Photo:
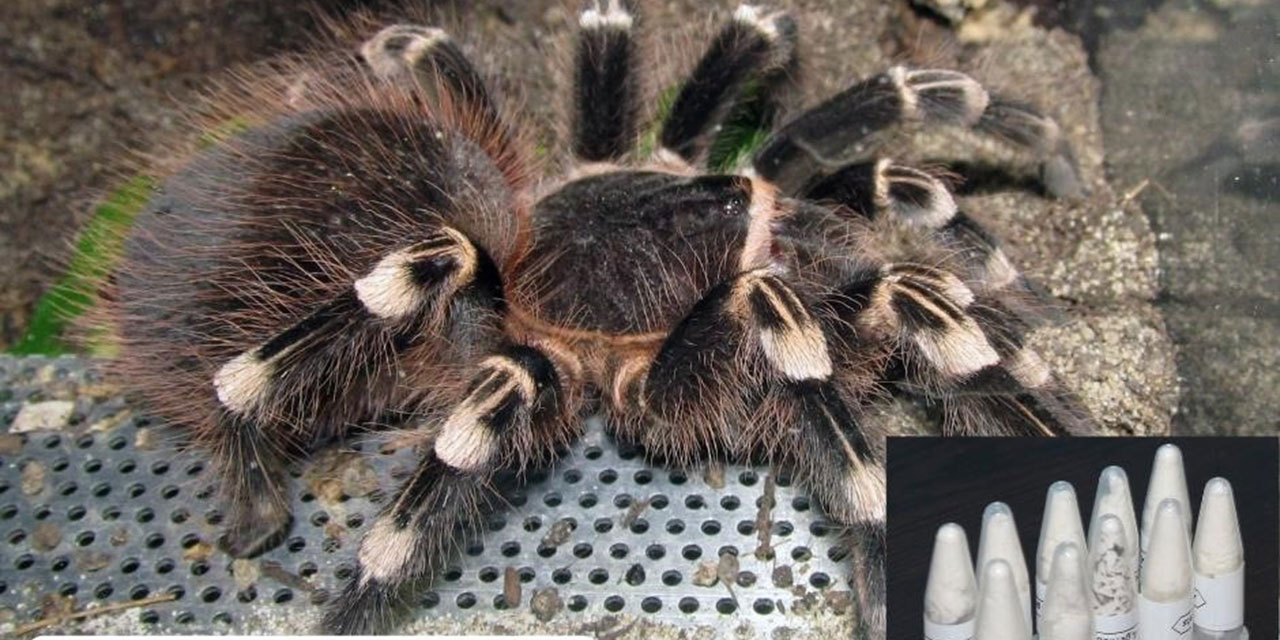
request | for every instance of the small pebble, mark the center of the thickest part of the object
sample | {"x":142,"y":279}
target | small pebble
{"x":47,"y":415}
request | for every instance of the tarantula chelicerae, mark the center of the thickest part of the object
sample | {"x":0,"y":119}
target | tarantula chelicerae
{"x":366,"y":240}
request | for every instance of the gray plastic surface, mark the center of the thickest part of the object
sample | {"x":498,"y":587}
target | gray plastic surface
{"x":128,"y":518}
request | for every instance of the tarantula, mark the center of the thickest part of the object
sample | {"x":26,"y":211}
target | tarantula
{"x":367,"y":241}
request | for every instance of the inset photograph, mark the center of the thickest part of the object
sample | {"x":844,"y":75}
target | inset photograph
{"x":1082,"y":539}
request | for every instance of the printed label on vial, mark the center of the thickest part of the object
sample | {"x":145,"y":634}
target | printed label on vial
{"x":1220,"y":601}
{"x":1166,"y":616}
{"x":1123,"y":626}
{"x":961,"y":631}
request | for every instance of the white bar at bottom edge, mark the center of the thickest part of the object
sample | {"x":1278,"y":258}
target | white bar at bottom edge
{"x":1220,"y":601}
{"x":961,"y":631}
{"x":1122,"y":626}
{"x":1164,"y":620}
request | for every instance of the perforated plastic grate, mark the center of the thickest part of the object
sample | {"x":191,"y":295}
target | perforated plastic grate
{"x":98,"y":511}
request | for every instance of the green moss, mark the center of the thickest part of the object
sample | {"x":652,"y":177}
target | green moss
{"x":96,"y":251}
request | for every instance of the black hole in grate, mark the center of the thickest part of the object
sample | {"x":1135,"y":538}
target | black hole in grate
{"x":572,"y":476}
{"x":561,"y":576}
{"x":532,"y":523}
{"x":60,"y":464}
{"x":344,"y":572}
{"x":68,"y":488}
{"x":52,"y":442}
{"x":622,"y":501}
{"x":643,"y":477}
{"x":149,"y":617}
{"x":577,"y":603}
{"x":101,"y":490}
{"x":747,"y":478}
{"x":694,"y":501}
{"x":129,"y":565}
{"x":746,"y":527}
{"x":691,"y":552}
{"x":136,"y":490}
{"x":84,"y":441}
{"x":91,"y":466}
{"x":488,"y":574}
{"x":177,"y":591}
{"x":111,"y":513}
{"x":282,"y":595}
{"x":139,"y":592}
{"x":582,"y":550}
{"x":185,"y":617}
{"x":588,"y":500}
{"x":801,"y":554}
{"x":635,"y":576}
{"x":729,"y":503}
{"x":43,"y":511}
{"x":820,"y":580}
{"x":179,"y":516}
{"x":222,"y":617}
{"x":726,"y":605}
{"x":593,"y":452}
{"x":127,"y":466}
{"x":319,"y":518}
{"x":296,"y":544}
{"x":213,"y":517}
{"x":68,"y":589}
{"x":307,"y":569}
{"x":619,"y":550}
{"x":763,"y":606}
{"x":614,"y":604}
{"x":199,"y":568}
{"x":598,"y":576}
{"x":195,"y":468}
{"x":552,"y":499}
{"x":103,"y":591}
{"x":160,"y":468}
{"x":8,"y":511}
{"x":658,"y":501}
{"x":655,"y":552}
{"x":747,"y":579}
{"x":603,"y":525}
{"x":651,"y":605}
{"x":17,"y":536}
{"x":510,"y":549}
{"x":546,"y":551}
{"x":165,"y":566}
{"x":710,"y":527}
{"x":640,"y":526}
{"x":85,"y":538}
{"x":430,"y":600}
{"x":355,"y":521}
{"x":211,"y":594}
{"x":452,"y":574}
{"x":671,"y":577}
{"x":474,"y":549}
{"x":688,"y":604}
{"x":608,"y":476}
{"x":190,"y":540}
{"x":155,"y":541}
{"x":24,"y":561}
{"x":169,"y":492}
{"x":60,"y":563}
{"x":466,"y":600}
{"x":247,"y":595}
{"x":800,"y":503}
{"x":117,"y":443}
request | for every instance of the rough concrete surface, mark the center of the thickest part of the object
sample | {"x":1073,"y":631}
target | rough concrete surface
{"x":1192,"y":115}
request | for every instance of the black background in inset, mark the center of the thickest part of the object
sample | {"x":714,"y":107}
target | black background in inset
{"x":933,"y":481}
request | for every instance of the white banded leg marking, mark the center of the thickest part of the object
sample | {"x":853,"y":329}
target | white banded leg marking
{"x":930,"y":303}
{"x":912,"y":195}
{"x":792,"y":341}
{"x":1028,"y":368}
{"x":467,"y":441}
{"x":606,"y":13}
{"x":398,"y":48}
{"x":243,"y":381}
{"x":760,"y":18}
{"x":390,"y":291}
{"x":914,"y":87}
{"x":386,"y":551}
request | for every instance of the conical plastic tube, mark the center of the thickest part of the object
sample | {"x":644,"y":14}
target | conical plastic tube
{"x":1218,"y":556}
{"x":999,"y":540}
{"x":1067,"y":614}
{"x":1164,"y":603}
{"x":951,"y":593}
{"x":1168,"y":481}
{"x":1001,"y":613}
{"x":1061,"y":525}
{"x":1112,"y":583}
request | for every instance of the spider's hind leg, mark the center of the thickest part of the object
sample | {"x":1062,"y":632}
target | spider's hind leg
{"x":606,"y":81}
{"x":518,"y":408}
{"x":834,"y":133}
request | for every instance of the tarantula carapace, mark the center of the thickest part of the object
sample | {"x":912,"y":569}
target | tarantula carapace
{"x":366,"y":240}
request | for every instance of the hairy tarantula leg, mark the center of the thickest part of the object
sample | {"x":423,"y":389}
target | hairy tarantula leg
{"x":832,"y":134}
{"x":427,"y":55}
{"x":406,"y":288}
{"x":606,"y":84}
{"x":756,"y":41}
{"x":517,"y":406}
{"x":917,"y":198}
{"x":956,"y":347}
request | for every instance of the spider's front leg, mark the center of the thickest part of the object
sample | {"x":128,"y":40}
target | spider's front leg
{"x":834,"y":133}
{"x":520,"y":406}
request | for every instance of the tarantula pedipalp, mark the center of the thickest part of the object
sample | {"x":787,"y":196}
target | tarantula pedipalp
{"x":372,"y":244}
